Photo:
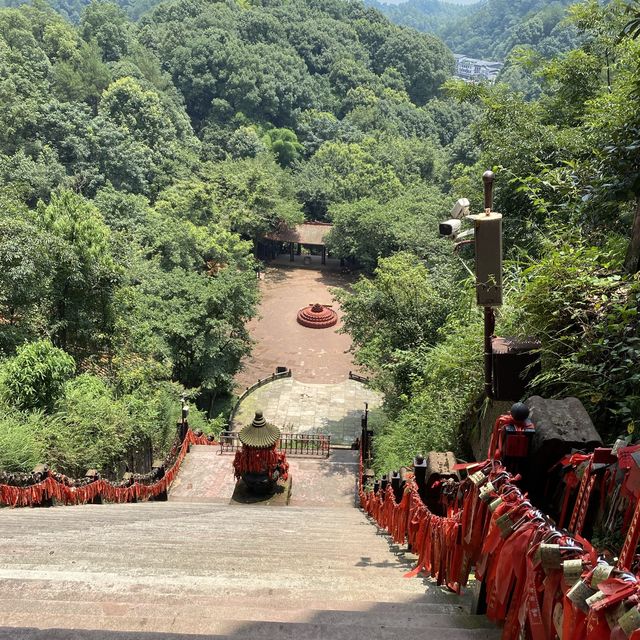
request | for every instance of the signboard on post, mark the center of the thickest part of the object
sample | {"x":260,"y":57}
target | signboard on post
{"x":488,"y":241}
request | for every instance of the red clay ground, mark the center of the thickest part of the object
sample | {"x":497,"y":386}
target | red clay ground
{"x":314,"y":355}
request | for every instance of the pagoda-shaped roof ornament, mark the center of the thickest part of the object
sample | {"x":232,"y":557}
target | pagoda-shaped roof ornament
{"x":260,"y":434}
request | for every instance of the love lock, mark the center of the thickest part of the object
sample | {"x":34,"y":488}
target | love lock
{"x":630,"y":621}
{"x":579,"y":593}
{"x":495,"y":504}
{"x":601,"y":573}
{"x":477,"y":478}
{"x":550,"y":556}
{"x":505,"y":524}
{"x":596,"y":597}
{"x":613,"y":615}
{"x":486,"y":491}
{"x":572,"y":570}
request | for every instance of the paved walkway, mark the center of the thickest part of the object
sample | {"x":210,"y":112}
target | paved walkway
{"x":314,"y":355}
{"x":207,"y":476}
{"x":311,"y":408}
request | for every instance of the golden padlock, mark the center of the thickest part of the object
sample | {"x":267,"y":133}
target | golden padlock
{"x":601,"y":573}
{"x":550,"y":556}
{"x":486,"y":491}
{"x":630,"y":621}
{"x":596,"y":597}
{"x":505,"y":524}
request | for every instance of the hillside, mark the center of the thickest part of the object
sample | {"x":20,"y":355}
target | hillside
{"x":141,"y":162}
{"x":138,"y":164}
{"x":491,"y":29}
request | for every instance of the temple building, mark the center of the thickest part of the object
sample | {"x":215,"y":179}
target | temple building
{"x":311,"y":235}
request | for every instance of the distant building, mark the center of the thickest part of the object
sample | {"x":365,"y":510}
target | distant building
{"x":473,"y":70}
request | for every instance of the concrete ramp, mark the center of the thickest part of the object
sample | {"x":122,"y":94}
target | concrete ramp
{"x":207,"y":476}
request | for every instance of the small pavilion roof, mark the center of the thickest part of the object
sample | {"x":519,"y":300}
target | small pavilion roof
{"x":311,"y":233}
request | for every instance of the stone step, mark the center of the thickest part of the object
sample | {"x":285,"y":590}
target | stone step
{"x":131,"y":572}
{"x":407,"y":616}
{"x":258,"y":600}
{"x":286,"y":586}
{"x":64,"y":623}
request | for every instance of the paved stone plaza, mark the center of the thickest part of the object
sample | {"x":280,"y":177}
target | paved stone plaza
{"x":311,"y":408}
{"x":314,"y":355}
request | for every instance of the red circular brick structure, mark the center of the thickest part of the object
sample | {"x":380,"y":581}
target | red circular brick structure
{"x":317,"y":316}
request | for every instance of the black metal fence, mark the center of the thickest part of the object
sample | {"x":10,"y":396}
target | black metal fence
{"x":293,"y":444}
{"x":261,"y":382}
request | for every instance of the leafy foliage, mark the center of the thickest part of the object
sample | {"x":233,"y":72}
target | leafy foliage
{"x":139,"y":161}
{"x":34,"y":378}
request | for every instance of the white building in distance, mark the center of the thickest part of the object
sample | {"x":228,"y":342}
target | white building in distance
{"x":473,"y":70}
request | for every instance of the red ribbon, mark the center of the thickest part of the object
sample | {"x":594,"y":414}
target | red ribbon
{"x":64,"y":492}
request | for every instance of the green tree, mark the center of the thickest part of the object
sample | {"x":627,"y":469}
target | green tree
{"x":284,"y":144}
{"x":392,"y":316}
{"x":35,"y":377}
{"x":83,"y":271}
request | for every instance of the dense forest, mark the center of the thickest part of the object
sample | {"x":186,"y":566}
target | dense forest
{"x":138,"y":163}
{"x":143,"y":150}
{"x":503,"y":30}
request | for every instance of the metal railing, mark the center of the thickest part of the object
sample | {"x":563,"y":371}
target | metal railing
{"x":293,"y":444}
{"x":256,"y":385}
{"x":357,"y":377}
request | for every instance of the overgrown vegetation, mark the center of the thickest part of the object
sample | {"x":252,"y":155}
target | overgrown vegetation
{"x":567,"y":170}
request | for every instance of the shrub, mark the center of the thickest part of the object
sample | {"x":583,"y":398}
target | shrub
{"x":35,"y":376}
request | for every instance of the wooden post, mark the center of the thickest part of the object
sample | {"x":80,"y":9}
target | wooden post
{"x":324,"y":255}
{"x":291,"y":252}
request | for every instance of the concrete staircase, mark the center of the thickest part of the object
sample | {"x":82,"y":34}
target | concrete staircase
{"x":181,"y":570}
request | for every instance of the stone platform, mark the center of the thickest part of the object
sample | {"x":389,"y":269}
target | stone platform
{"x":301,"y":407}
{"x":207,"y":477}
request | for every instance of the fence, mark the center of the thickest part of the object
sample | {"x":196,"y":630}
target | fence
{"x":537,"y":580}
{"x":296,"y":444}
{"x":42,"y":487}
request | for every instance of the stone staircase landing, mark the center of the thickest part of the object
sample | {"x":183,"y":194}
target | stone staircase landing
{"x":207,"y":476}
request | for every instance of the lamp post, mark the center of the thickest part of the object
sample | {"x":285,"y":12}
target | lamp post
{"x":486,"y":236}
{"x":184,"y":417}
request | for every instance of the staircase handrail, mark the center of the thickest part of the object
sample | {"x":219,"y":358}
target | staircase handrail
{"x":490,"y":525}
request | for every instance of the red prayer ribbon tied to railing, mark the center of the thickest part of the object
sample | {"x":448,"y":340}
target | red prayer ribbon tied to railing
{"x":541,"y":583}
{"x":35,"y":494}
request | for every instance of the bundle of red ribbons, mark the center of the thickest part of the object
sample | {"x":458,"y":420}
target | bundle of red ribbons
{"x":266,"y":460}
{"x":66,"y":493}
{"x":539,"y":581}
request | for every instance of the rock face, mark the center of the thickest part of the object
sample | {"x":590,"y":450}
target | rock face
{"x":561,"y":426}
{"x":170,"y":569}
